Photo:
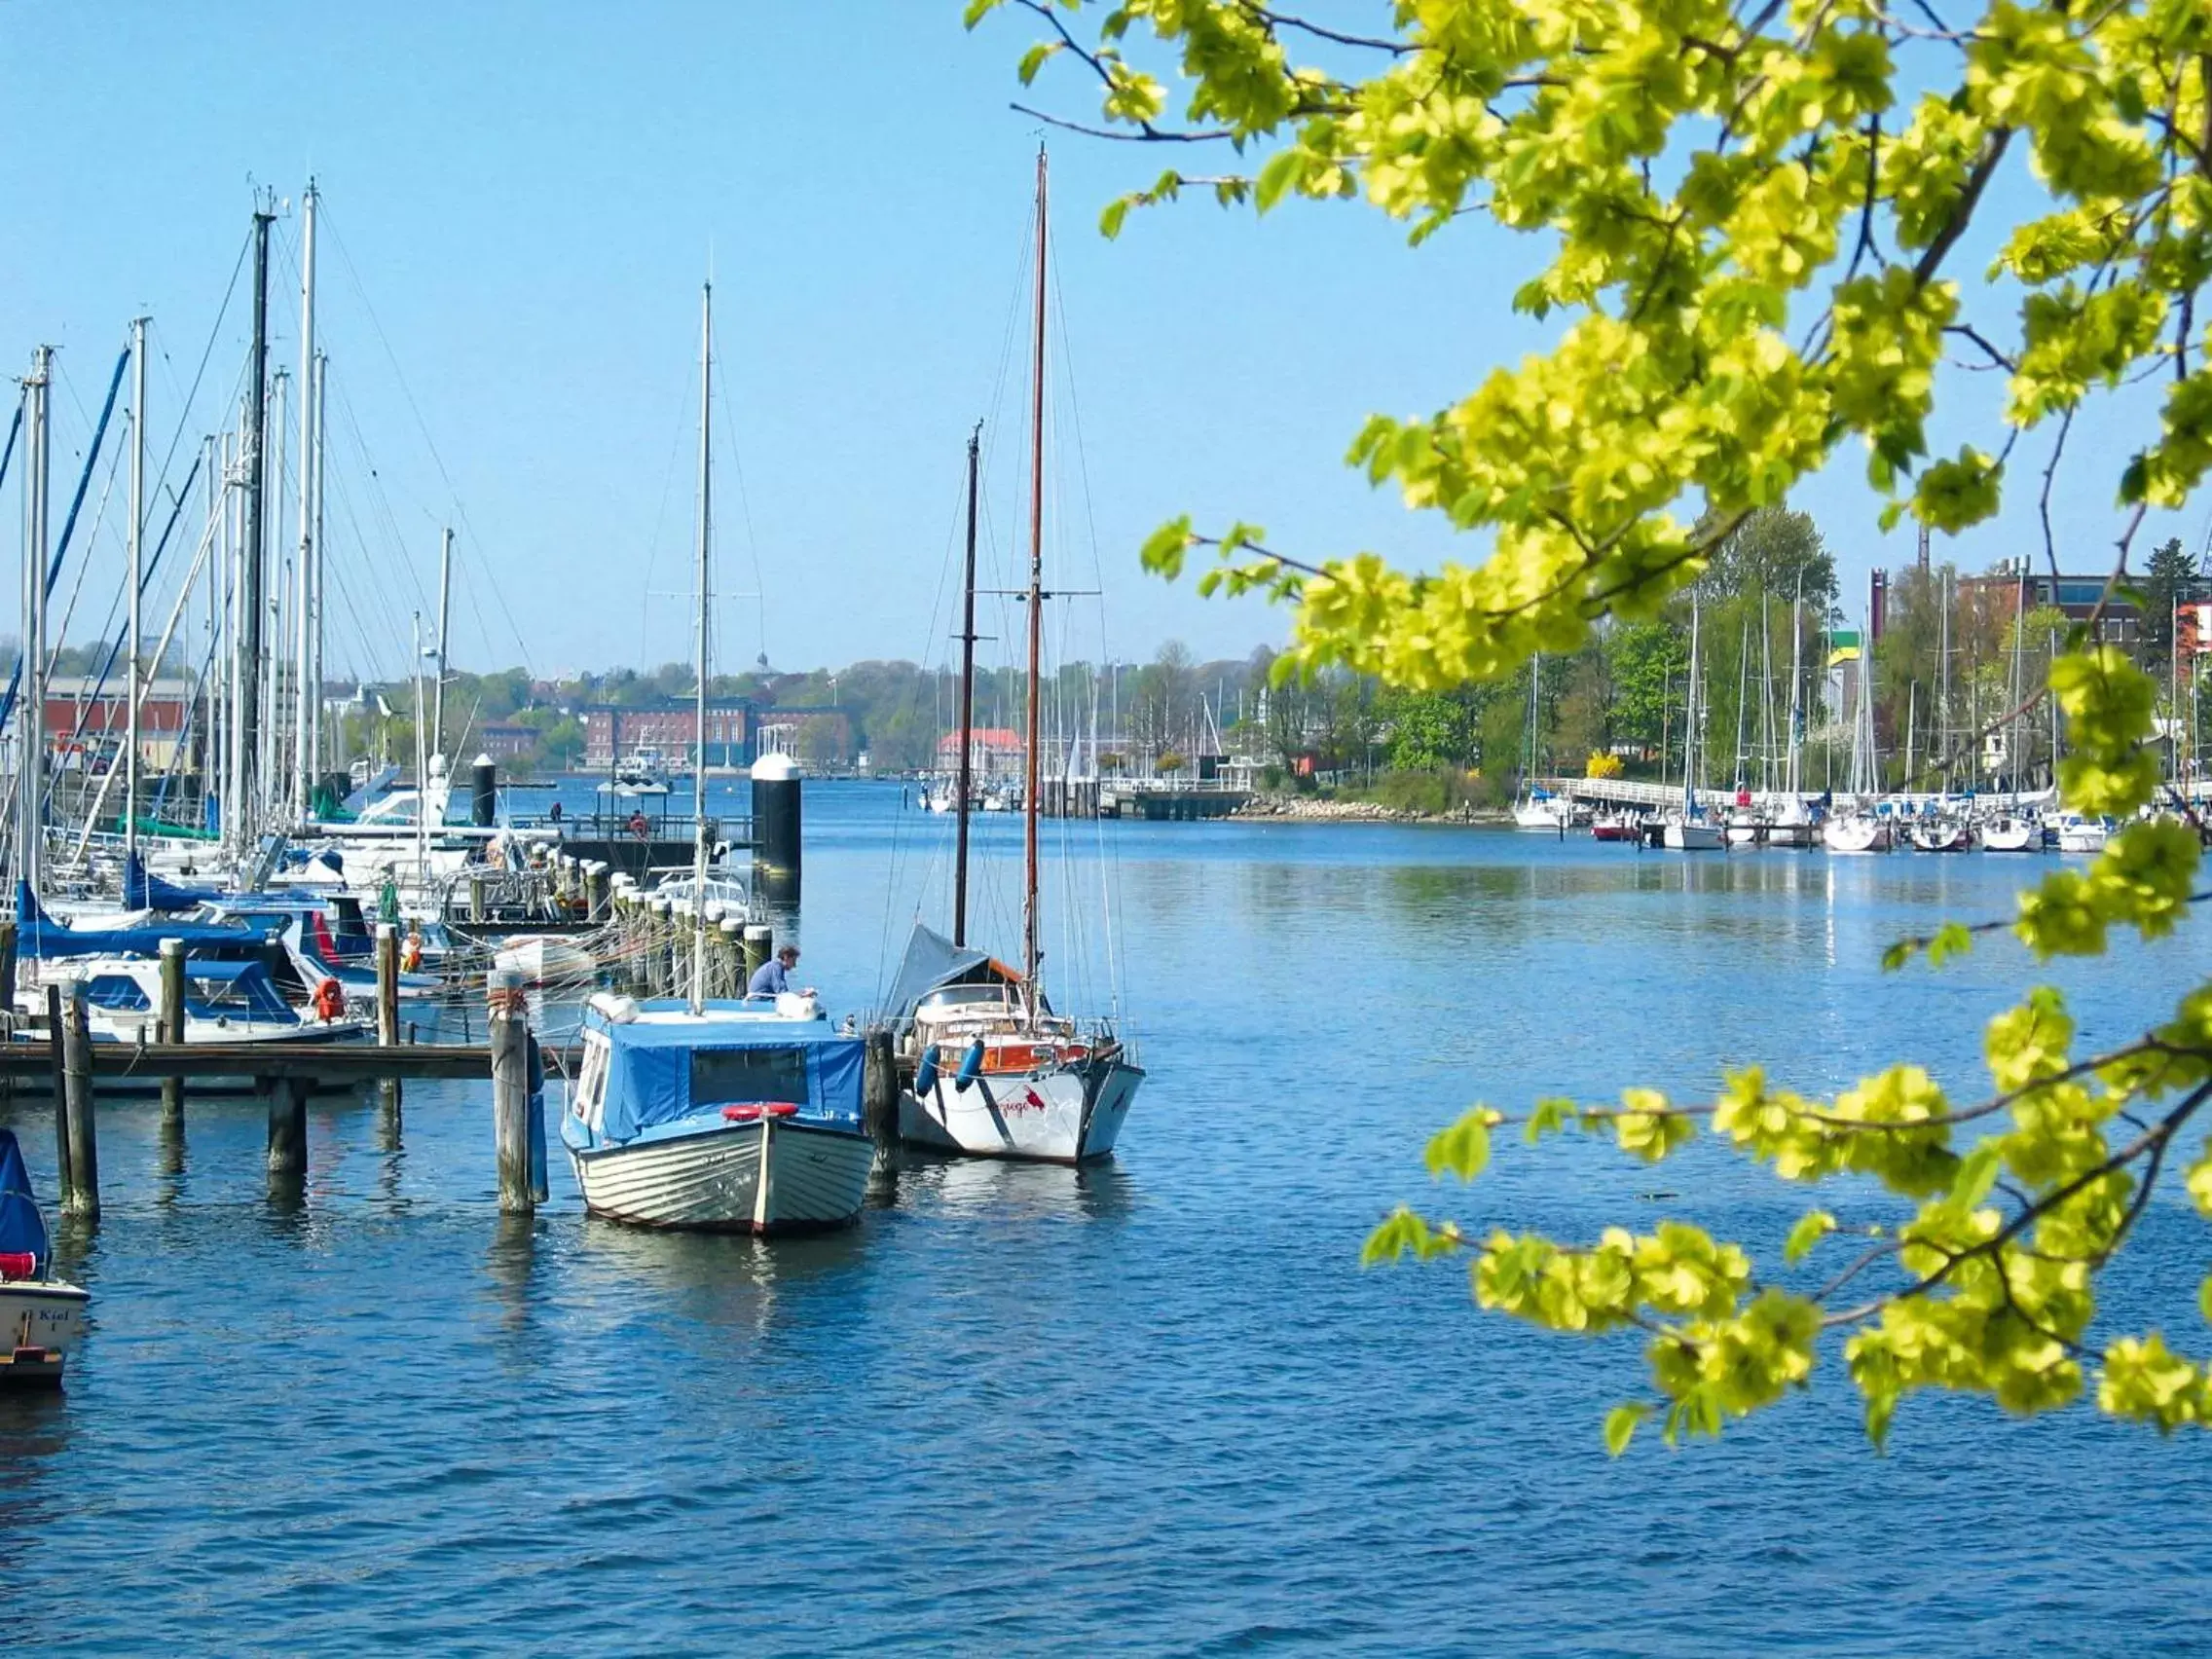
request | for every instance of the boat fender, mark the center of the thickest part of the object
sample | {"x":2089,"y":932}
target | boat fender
{"x":970,"y":1063}
{"x":925,"y":1074}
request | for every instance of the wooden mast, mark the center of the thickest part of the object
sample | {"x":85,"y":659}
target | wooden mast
{"x":1036,"y":608}
{"x":698,"y":990}
{"x":964,"y":776}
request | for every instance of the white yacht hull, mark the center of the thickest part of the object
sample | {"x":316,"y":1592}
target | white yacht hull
{"x":41,"y":1313}
{"x":1855,"y":835}
{"x":1061,"y":1117}
{"x":543,"y":958}
{"x":1539,"y":816}
{"x":1692,"y":838}
{"x":768,"y":1176}
{"x":2011,"y":836}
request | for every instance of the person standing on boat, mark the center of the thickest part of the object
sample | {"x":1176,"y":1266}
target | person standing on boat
{"x":773,"y":977}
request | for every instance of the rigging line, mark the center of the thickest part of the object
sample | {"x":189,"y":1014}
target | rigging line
{"x":744,"y":504}
{"x":206,"y":352}
{"x":660,"y":520}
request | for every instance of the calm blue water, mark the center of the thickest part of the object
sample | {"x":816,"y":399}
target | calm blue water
{"x":1156,"y":1407}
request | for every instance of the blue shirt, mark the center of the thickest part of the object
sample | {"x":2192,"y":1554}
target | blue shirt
{"x":769,"y":979}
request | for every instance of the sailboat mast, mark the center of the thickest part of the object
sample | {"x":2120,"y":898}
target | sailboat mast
{"x":135,"y":552}
{"x":706,"y":532}
{"x":1794,"y":780}
{"x":1690,"y":711}
{"x":30,"y":757}
{"x":254,"y":444}
{"x":445,"y":620}
{"x":964,"y":775}
{"x":303,"y":690}
{"x":1036,"y":609}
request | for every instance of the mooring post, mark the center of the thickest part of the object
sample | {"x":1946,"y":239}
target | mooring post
{"x":388,"y":1012}
{"x":287,"y":1124}
{"x":731,"y":956}
{"x":879,"y":1102}
{"x":64,"y":1177}
{"x":476,"y":896}
{"x":84,"y":1133}
{"x":509,"y":1028}
{"x":595,"y":889}
{"x":8,"y":966}
{"x":760,"y":944}
{"x":168,"y":1026}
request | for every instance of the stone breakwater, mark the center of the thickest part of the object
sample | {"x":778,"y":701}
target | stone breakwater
{"x":1317,"y":809}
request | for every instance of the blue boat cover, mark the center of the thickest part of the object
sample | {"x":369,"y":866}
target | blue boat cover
{"x":142,"y":890}
{"x":39,"y":935}
{"x":22,"y":1229}
{"x":654,"y":1067}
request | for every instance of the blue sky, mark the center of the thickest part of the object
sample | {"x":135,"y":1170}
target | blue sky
{"x":522,"y":201}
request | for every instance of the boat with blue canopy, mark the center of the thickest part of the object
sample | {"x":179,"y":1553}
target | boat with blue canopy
{"x":41,"y":1316}
{"x":734,"y":1116}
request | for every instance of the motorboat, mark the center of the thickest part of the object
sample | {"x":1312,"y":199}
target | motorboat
{"x":1855,"y":833}
{"x":2079,"y":834}
{"x":1616,"y":827}
{"x":997,"y":1073}
{"x":2013,"y":832}
{"x":1542,"y":811}
{"x":224,"y":1002}
{"x":41,"y":1316}
{"x":644,"y":772}
{"x":743,"y":1116}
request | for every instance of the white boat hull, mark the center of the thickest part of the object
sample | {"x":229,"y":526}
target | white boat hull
{"x":1692,"y":838}
{"x":1855,"y":835}
{"x":543,"y":958}
{"x":1540,"y":816}
{"x":2011,"y":836}
{"x":1061,"y":1117}
{"x":768,"y":1176}
{"x":41,"y":1313}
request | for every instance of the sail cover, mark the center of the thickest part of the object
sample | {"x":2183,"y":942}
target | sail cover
{"x":39,"y":936}
{"x":22,"y":1229}
{"x":933,"y":962}
{"x":142,"y":890}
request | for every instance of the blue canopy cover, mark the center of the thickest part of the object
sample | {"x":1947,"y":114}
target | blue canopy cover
{"x":663,"y":1073}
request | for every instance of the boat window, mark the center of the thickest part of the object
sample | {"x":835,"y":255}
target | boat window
{"x":117,"y":991}
{"x":591,"y":1081}
{"x":966,"y":996}
{"x":248,"y":996}
{"x":728,"y":1077}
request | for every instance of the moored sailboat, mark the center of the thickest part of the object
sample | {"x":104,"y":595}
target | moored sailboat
{"x":998,"y":1073}
{"x":41,"y":1316}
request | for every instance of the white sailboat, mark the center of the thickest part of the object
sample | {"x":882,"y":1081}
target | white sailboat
{"x":740,"y":1116}
{"x":998,"y":1073}
{"x":1859,"y":830}
{"x":1535,"y":808}
{"x":1688,"y":830}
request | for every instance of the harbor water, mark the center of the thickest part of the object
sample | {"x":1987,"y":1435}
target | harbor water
{"x":1150,"y":1407}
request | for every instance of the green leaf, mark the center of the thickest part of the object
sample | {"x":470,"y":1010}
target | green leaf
{"x":1163,"y":549}
{"x":1463,"y":1149}
{"x":2204,"y":1299}
{"x":1621,"y":1423}
{"x":1952,"y":940}
{"x":1282,"y":172}
{"x":1400,"y":1233}
{"x":1034,"y":59}
{"x":1109,"y":221}
{"x":1977,"y":1174}
{"x":1812,"y":1227}
{"x":1897,"y":956}
{"x":977,"y":11}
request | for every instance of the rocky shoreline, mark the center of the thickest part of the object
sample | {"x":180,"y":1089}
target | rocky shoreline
{"x":1317,"y":809}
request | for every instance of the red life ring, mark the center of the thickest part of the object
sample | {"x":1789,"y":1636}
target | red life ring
{"x":752,"y":1113}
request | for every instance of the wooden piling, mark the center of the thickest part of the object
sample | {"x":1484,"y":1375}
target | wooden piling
{"x":730,"y":955}
{"x":168,"y":1026}
{"x":84,"y":1133}
{"x":288,"y":1125}
{"x":65,"y":1176}
{"x":595,"y":890}
{"x":476,"y":896}
{"x":760,"y":945}
{"x":8,"y":966}
{"x":509,"y":1028}
{"x":388,"y":1013}
{"x":879,"y":1102}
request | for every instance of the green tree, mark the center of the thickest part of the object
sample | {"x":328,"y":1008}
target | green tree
{"x":1650,"y":663}
{"x":1749,"y":219}
{"x":2170,"y":575}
